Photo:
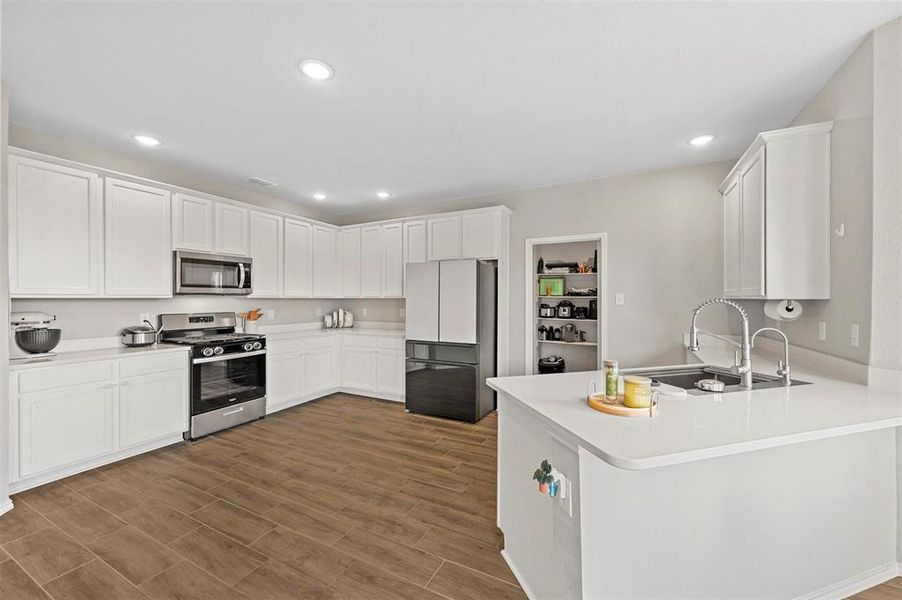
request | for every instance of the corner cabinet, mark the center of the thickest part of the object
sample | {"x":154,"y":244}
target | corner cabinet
{"x":55,"y":230}
{"x":777,"y":217}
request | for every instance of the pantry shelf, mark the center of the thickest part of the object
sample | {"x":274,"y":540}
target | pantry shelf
{"x":591,"y":344}
{"x":568,"y":320}
{"x":566,"y":297}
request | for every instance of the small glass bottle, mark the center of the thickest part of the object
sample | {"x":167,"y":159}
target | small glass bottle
{"x":611,"y":379}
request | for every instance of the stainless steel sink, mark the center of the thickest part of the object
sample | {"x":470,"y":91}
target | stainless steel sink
{"x":686,"y":377}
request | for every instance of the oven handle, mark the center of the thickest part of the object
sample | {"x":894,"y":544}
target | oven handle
{"x":197,"y":361}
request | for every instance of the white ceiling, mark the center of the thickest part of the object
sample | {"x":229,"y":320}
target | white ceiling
{"x":430,"y":100}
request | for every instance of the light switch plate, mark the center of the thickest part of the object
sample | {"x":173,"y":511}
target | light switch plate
{"x":363,"y":311}
{"x":854,"y":338}
{"x":319,"y":312}
{"x":270,"y":314}
{"x":144,"y":316}
{"x":822,"y":331}
{"x":618,"y":299}
{"x":402,"y":312}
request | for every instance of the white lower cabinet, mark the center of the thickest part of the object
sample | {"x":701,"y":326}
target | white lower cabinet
{"x":298,"y":370}
{"x":67,"y":418}
{"x":373,"y":365}
{"x":390,"y":371}
{"x":152,"y":406}
{"x":358,"y":362}
{"x":320,"y":365}
{"x":284,"y":377}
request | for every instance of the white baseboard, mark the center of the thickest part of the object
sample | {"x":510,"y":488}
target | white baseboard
{"x":855,"y":584}
{"x":518,"y":576}
{"x":5,"y":507}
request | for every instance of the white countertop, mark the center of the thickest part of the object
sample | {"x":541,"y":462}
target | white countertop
{"x":92,"y":355}
{"x":709,"y":426}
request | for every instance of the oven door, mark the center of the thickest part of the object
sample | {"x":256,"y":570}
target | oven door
{"x":200,"y":273}
{"x":225,"y":380}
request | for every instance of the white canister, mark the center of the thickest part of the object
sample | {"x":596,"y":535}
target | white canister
{"x":250,"y":327}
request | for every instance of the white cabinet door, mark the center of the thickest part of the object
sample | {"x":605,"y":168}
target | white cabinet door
{"x":266,"y":250}
{"x":231,"y":229}
{"x":751,"y":183}
{"x":55,"y":230}
{"x":138,"y":245}
{"x":349,"y":242}
{"x":320,"y":362}
{"x":371,"y":262}
{"x":444,"y":238}
{"x":392,"y":260}
{"x":152,"y":406}
{"x":326,"y":282}
{"x":284,"y":377}
{"x":390,"y":371}
{"x":478,"y":234}
{"x":457,"y":319}
{"x":732,"y":240}
{"x":64,"y":425}
{"x":358,"y":368}
{"x":193,"y":223}
{"x":298,"y":258}
{"x":415,"y":241}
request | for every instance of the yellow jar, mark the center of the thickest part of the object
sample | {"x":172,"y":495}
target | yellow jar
{"x":636,"y":391}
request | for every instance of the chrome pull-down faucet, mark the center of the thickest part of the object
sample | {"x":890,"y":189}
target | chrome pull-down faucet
{"x":744,"y":366}
{"x":782,"y":365}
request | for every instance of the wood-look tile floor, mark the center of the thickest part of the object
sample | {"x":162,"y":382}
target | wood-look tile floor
{"x":342,"y":498}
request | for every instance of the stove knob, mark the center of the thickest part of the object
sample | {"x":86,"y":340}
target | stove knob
{"x":248,"y":346}
{"x":208,"y":351}
{"x":217,"y":350}
{"x":257,"y":345}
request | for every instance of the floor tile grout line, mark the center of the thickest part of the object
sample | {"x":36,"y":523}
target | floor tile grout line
{"x":437,"y":569}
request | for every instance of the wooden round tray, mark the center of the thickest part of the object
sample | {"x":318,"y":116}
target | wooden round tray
{"x":600,"y":403}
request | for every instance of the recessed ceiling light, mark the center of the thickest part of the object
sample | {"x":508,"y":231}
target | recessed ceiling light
{"x":146,"y":140}
{"x":383,"y":195}
{"x":319,"y":196}
{"x":702,"y":140}
{"x":316,"y":69}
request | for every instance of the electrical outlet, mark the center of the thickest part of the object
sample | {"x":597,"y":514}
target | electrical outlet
{"x":363,"y":311}
{"x":144,"y":317}
{"x":270,"y":314}
{"x":822,"y":331}
{"x":853,"y":335}
{"x":618,"y":299}
{"x":319,"y":312}
{"x":402,"y":312}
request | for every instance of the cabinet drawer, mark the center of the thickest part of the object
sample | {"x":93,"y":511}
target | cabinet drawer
{"x":391,"y":343}
{"x":144,"y":365}
{"x":64,"y":376}
{"x":320,"y":343}
{"x":360,"y":341}
{"x":278,"y":347}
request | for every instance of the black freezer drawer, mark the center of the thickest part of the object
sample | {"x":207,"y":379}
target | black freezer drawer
{"x":442,"y":352}
{"x":443,"y":390}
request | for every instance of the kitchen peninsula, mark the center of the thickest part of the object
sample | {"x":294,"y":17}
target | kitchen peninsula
{"x":802,"y":479}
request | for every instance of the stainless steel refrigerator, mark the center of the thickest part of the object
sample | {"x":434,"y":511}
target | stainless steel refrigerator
{"x":451,"y":338}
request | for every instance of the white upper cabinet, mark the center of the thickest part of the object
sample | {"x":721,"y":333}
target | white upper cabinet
{"x":444,"y":237}
{"x":138,"y":259}
{"x":349,"y":242}
{"x":371,"y":261}
{"x":777,"y":217}
{"x":415,"y":241}
{"x":193,"y":223}
{"x":266,"y":250}
{"x":231,"y":229}
{"x":55,"y":230}
{"x":326,"y":283}
{"x":298,"y":259}
{"x":479,"y":234}
{"x":392,"y":260}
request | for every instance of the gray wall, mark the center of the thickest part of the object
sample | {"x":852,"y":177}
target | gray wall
{"x":104,"y":318}
{"x":847,"y":99}
{"x":151,"y":166}
{"x":665,"y":238}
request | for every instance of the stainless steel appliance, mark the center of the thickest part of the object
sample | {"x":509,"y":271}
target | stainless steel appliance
{"x":451,"y":338}
{"x":219,"y":274}
{"x":140,"y":335}
{"x":228,"y":370}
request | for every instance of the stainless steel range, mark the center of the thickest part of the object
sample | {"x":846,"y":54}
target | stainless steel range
{"x":228,"y":370}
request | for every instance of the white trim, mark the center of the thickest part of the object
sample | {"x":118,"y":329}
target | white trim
{"x":73,"y":469}
{"x":6,"y":507}
{"x":530,"y":288}
{"x":510,"y":563}
{"x":855,"y":584}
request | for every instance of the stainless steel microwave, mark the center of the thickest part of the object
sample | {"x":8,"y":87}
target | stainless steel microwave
{"x":216,"y":274}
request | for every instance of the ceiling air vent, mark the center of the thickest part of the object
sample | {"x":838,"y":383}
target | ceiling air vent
{"x":260,"y":182}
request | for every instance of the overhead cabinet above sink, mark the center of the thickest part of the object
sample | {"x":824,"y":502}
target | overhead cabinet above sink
{"x":777,"y":217}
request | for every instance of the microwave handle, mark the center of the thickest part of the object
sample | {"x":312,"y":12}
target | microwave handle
{"x":241,"y":275}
